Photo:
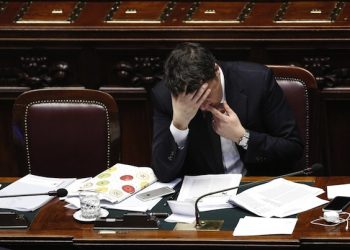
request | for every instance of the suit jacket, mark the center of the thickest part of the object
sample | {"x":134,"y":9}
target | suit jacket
{"x":252,"y":92}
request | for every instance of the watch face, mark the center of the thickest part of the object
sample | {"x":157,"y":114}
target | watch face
{"x":243,"y":142}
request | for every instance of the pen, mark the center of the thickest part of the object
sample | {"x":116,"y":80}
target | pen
{"x":109,"y":219}
{"x":7,"y":212}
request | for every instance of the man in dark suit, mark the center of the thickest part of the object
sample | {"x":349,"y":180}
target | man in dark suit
{"x":213,"y":118}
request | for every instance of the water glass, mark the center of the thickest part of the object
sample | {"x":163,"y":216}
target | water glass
{"x":89,"y":204}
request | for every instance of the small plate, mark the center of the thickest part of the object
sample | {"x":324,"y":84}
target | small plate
{"x":77,"y":215}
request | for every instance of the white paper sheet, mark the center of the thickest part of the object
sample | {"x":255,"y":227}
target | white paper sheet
{"x":193,"y":187}
{"x":182,"y":212}
{"x":279,"y":197}
{"x":338,"y":190}
{"x":31,"y":184}
{"x":251,"y":226}
{"x":73,"y":188}
{"x":300,"y":205}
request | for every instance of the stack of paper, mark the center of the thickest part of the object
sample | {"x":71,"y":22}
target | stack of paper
{"x":131,"y":203}
{"x":31,"y":184}
{"x":279,"y":198}
{"x":196,"y":186}
{"x":117,"y":186}
{"x":120,"y":182}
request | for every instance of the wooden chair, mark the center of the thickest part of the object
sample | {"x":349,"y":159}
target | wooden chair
{"x":65,"y":132}
{"x":300,"y":88}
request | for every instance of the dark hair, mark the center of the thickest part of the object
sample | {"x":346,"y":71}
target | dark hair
{"x":188,"y":66}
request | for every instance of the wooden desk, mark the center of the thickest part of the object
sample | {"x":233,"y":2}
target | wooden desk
{"x":318,"y":237}
{"x":54,"y":227}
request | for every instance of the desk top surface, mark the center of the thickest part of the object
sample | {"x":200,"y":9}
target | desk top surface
{"x":55,"y":223}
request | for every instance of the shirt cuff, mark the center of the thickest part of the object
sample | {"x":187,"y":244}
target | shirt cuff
{"x":180,"y":136}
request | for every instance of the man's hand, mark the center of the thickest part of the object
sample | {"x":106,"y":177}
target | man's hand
{"x":185,"y":106}
{"x":227,"y":124}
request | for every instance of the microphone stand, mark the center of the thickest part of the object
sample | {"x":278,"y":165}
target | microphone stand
{"x":200,"y":224}
{"x":20,"y":195}
{"x":61,"y":192}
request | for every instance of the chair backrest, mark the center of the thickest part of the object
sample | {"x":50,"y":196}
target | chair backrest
{"x":298,"y":85}
{"x":65,"y":132}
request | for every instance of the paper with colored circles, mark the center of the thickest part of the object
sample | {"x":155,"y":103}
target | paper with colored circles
{"x":120,"y":181}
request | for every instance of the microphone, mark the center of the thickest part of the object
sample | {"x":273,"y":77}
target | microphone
{"x":307,"y":171}
{"x":61,"y":192}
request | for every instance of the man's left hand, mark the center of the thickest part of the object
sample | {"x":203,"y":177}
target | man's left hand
{"x":227,"y":124}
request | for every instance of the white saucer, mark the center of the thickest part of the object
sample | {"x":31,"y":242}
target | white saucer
{"x":77,"y":215}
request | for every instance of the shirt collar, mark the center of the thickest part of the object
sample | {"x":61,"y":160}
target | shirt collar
{"x":222,"y":81}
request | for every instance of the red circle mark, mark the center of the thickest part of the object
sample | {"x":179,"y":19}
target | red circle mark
{"x":128,"y":189}
{"x":126,"y":177}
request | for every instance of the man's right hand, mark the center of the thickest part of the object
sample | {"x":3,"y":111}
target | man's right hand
{"x":185,"y":106}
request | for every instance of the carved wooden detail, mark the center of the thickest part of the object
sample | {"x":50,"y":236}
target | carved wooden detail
{"x":133,"y":12}
{"x":35,"y":72}
{"x":302,"y":12}
{"x":337,"y":78}
{"x":56,"y":13}
{"x":3,"y":5}
{"x":230,"y":12}
{"x":326,"y":74}
{"x":140,"y":71}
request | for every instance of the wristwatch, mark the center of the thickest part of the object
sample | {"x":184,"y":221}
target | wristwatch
{"x":243,"y":141}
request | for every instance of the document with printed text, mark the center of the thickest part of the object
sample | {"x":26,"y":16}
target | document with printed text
{"x":279,"y":198}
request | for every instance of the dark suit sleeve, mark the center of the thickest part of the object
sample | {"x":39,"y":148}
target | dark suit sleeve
{"x":167,"y":158}
{"x":279,"y":141}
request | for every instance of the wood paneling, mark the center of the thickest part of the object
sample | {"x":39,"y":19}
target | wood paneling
{"x":120,"y":47}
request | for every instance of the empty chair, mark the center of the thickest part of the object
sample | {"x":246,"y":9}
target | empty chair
{"x":65,"y":132}
{"x":299,"y":87}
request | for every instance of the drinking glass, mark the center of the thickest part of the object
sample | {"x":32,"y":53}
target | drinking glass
{"x":89,"y":204}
